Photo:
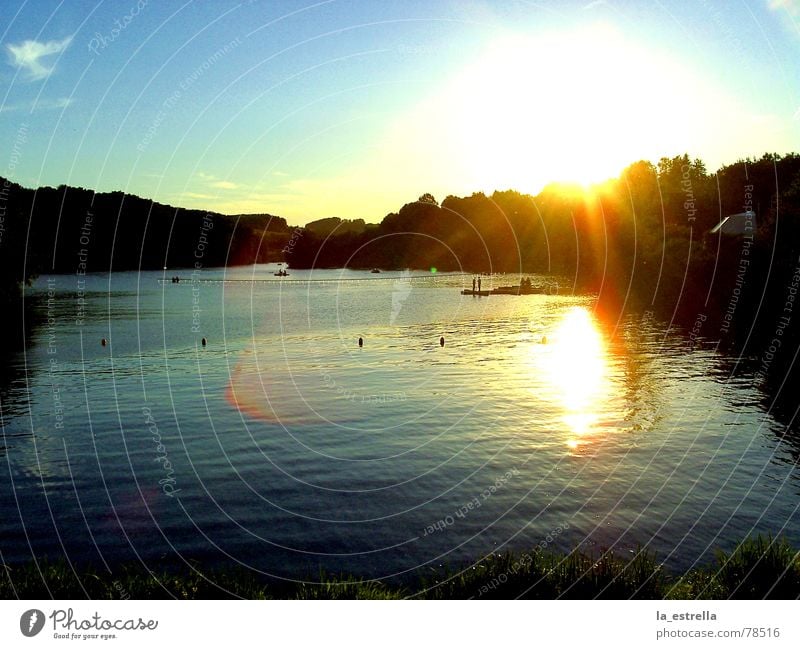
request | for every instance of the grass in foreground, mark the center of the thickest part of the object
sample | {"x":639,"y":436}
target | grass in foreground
{"x":758,"y":568}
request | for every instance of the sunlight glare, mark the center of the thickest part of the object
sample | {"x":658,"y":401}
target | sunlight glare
{"x":572,"y":106}
{"x":575,"y":365}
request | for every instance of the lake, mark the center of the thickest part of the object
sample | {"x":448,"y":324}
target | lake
{"x":283,"y":446}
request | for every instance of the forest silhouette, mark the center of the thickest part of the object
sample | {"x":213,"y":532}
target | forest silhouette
{"x":68,"y":229}
{"x":641,"y":240}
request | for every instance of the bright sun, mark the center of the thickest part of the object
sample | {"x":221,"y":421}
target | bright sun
{"x":571,"y":106}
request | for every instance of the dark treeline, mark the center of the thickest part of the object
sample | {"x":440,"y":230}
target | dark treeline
{"x":66,"y":229}
{"x":643,"y":237}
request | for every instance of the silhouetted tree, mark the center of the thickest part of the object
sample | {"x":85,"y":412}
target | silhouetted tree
{"x":427,"y":198}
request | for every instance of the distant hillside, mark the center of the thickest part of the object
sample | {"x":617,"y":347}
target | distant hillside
{"x":335,"y":225}
{"x":69,"y":229}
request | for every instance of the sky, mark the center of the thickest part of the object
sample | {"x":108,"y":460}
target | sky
{"x":309,"y":109}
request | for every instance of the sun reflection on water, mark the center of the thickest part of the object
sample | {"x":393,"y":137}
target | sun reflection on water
{"x":575,"y":365}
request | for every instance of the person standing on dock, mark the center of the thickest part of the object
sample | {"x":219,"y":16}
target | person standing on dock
{"x":479,"y":284}
{"x":473,"y":284}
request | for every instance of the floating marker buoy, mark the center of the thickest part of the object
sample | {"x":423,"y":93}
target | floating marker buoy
{"x":203,"y":342}
{"x":103,"y":342}
{"x":360,"y":342}
{"x":441,"y":341}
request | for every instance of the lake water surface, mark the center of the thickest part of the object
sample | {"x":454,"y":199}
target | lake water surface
{"x":284,"y":446}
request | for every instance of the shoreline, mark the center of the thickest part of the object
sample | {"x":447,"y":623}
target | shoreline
{"x":759,"y":568}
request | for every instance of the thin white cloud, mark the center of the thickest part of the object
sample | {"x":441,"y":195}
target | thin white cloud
{"x":791,"y":6}
{"x":270,"y":196}
{"x":224,"y":184}
{"x":215,"y":182}
{"x":28,"y":56}
{"x":196,"y":195}
{"x":43,"y":104}
{"x":52,"y":104}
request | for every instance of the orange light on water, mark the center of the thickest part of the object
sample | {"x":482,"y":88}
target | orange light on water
{"x":575,"y":365}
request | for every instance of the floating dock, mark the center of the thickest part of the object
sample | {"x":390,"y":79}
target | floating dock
{"x":514,"y":290}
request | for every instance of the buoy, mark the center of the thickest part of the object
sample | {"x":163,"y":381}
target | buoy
{"x":203,"y":342}
{"x":441,"y":341}
{"x":103,"y":342}
{"x":544,"y":340}
{"x":360,"y":342}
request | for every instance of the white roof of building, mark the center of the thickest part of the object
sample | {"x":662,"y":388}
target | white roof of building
{"x":737,"y":224}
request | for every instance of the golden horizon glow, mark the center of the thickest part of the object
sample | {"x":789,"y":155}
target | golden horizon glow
{"x":572,"y":106}
{"x":575,"y":105}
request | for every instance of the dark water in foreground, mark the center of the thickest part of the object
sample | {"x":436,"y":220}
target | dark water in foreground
{"x":284,"y":446}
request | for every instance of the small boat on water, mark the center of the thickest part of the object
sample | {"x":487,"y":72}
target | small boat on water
{"x":281,"y":273}
{"x":375,"y":270}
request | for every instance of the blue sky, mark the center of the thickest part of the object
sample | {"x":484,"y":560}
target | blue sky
{"x":351,"y":108}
